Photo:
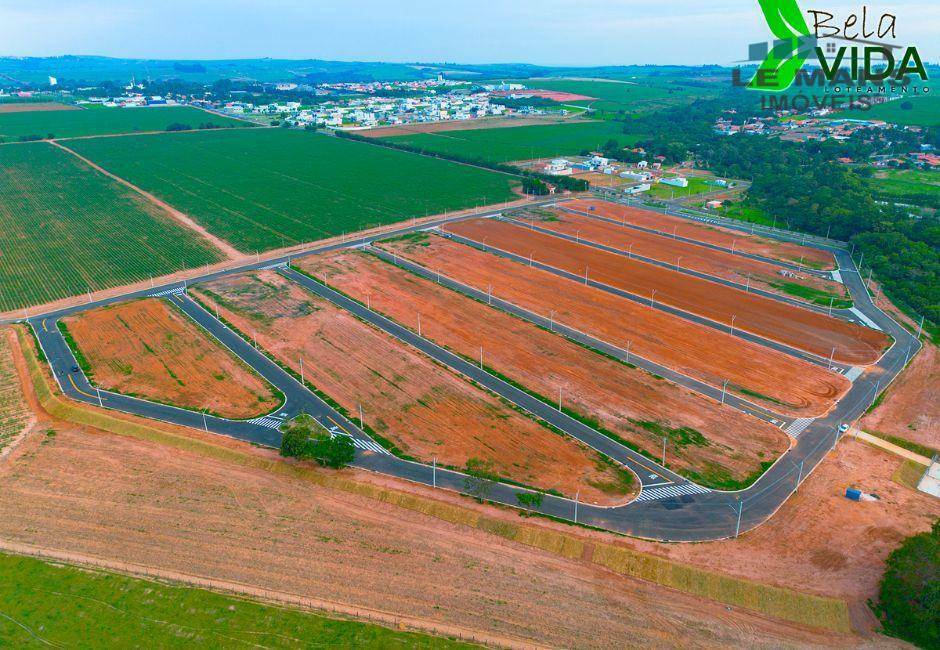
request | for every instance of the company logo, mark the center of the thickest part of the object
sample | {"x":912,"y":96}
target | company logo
{"x":858,"y":59}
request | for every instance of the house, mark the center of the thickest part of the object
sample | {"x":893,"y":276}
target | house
{"x":637,"y":176}
{"x":636,"y":189}
{"x":677,"y":181}
{"x":642,"y":164}
{"x":713,"y":204}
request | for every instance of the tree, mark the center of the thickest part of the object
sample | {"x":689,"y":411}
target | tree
{"x":305,"y":439}
{"x":530,"y":500}
{"x":910,"y":590}
{"x":480,"y":478}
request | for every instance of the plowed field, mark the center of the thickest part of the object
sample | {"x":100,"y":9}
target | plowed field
{"x":710,"y":234}
{"x":149,"y":349}
{"x":714,"y":442}
{"x":793,"y":326}
{"x":776,"y":380}
{"x":736,"y":268}
{"x":425,"y":409}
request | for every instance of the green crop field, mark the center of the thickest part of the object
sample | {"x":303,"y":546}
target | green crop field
{"x":923,"y":111}
{"x":66,"y":229}
{"x":51,"y":605}
{"x":907,"y":183}
{"x":615,"y":96}
{"x":104,"y":121}
{"x":518,"y":142}
{"x":266,"y":188}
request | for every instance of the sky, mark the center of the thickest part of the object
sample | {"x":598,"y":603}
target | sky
{"x":544,"y":32}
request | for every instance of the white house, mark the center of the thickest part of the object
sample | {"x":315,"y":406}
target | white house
{"x":678,"y":181}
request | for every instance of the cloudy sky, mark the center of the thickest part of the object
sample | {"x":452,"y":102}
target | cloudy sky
{"x":548,"y":32}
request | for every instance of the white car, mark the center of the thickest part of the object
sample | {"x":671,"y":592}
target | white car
{"x":843,"y":428}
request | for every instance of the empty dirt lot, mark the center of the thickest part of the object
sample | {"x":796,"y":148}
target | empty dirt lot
{"x":715,"y":442}
{"x":800,"y":328}
{"x":776,"y":380}
{"x":31,"y":107}
{"x":710,"y":234}
{"x":911,"y":405}
{"x":149,"y":349}
{"x":427,"y":410}
{"x":461,"y":125}
{"x":736,"y":268}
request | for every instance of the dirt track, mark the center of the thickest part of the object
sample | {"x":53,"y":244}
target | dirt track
{"x":800,"y":328}
{"x":149,"y":349}
{"x":754,"y":244}
{"x":593,"y":385}
{"x":779,"y":382}
{"x":735,"y":268}
{"x":425,"y":409}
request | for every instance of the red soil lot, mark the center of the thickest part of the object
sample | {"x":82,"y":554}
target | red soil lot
{"x":592,"y":385}
{"x":727,"y":266}
{"x":800,"y":328}
{"x":784,"y":384}
{"x":427,"y":410}
{"x":754,"y":244}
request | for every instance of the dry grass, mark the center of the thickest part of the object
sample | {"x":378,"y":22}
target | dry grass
{"x":14,"y":414}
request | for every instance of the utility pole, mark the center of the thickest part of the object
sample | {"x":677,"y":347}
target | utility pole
{"x":419,"y":324}
{"x":733,"y":316}
{"x":585,"y":274}
{"x":481,"y":357}
{"x":559,"y":398}
{"x":920,"y":327}
{"x":205,"y":424}
{"x":630,"y":251}
{"x":678,"y":259}
{"x":434,"y":472}
{"x":360,"y":417}
{"x":831,"y":300}
{"x":302,"y":382}
{"x":737,"y":530}
{"x":489,"y":294}
{"x":747,"y":287}
{"x":831,"y":357}
{"x":652,"y":298}
{"x":733,"y":244}
{"x":551,"y":320}
{"x":100,"y":401}
{"x":664,"y":450}
{"x":577,"y":495}
{"x":628,"y":350}
{"x":724,"y":390}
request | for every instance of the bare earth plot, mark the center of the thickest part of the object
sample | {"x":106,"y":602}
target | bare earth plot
{"x":717,"y":443}
{"x":15,"y":415}
{"x":778,"y":381}
{"x":746,"y":271}
{"x":424,"y":409}
{"x":803,"y":329}
{"x":66,"y":229}
{"x":149,"y":349}
{"x":741,"y":241}
{"x":101,"y":495}
{"x":261,"y":189}
{"x":26,"y":107}
{"x":910,"y":408}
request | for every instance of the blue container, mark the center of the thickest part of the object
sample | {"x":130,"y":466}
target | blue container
{"x":852,"y":493}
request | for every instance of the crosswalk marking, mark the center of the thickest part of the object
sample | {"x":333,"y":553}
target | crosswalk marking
{"x":269,"y":421}
{"x":854,"y":373}
{"x":365,"y":445}
{"x":270,"y":267}
{"x":176,"y":291}
{"x":670,"y":491}
{"x":798,"y":426}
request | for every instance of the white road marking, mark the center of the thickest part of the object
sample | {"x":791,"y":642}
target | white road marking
{"x":854,"y":373}
{"x":671,"y":491}
{"x":799,"y":425}
{"x":178,"y":291}
{"x":865,"y":319}
{"x":269,"y":421}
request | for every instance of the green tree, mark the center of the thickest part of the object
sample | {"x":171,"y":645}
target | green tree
{"x":480,"y":478}
{"x":530,"y":500}
{"x":305,"y":439}
{"x":910,"y":590}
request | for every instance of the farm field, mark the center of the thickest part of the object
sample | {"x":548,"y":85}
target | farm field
{"x":102,"y":121}
{"x":268,"y":188}
{"x":908,"y":185}
{"x":426,"y":410}
{"x":148,"y":349}
{"x":14,"y":413}
{"x":615,"y":96}
{"x":714,"y":444}
{"x":66,"y":229}
{"x":27,"y":107}
{"x":120,"y":611}
{"x":924,"y":111}
{"x":800,"y":328}
{"x":760,"y":275}
{"x":744,"y":242}
{"x":177,"y":511}
{"x":775,"y":380}
{"x":522,"y":143}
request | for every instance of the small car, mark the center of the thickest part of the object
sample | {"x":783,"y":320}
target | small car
{"x":74,"y":368}
{"x":843,"y":427}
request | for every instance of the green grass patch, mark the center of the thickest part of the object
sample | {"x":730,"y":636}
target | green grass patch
{"x":922,"y":111}
{"x":66,"y":229}
{"x":904,"y":443}
{"x":105,"y":121}
{"x":518,"y":143}
{"x":52,"y":604}
{"x":665,"y":191}
{"x":812,"y":295}
{"x":268,"y":188}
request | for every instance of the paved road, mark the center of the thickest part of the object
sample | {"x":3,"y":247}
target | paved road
{"x":668,"y":507}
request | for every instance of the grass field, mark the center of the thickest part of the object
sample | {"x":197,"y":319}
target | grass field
{"x":908,"y":184}
{"x":518,"y":143}
{"x":696,"y":186}
{"x":924,"y":111}
{"x":101,"y":121}
{"x":66,"y":229}
{"x":46,"y":604}
{"x":266,"y":188}
{"x":615,"y":96}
